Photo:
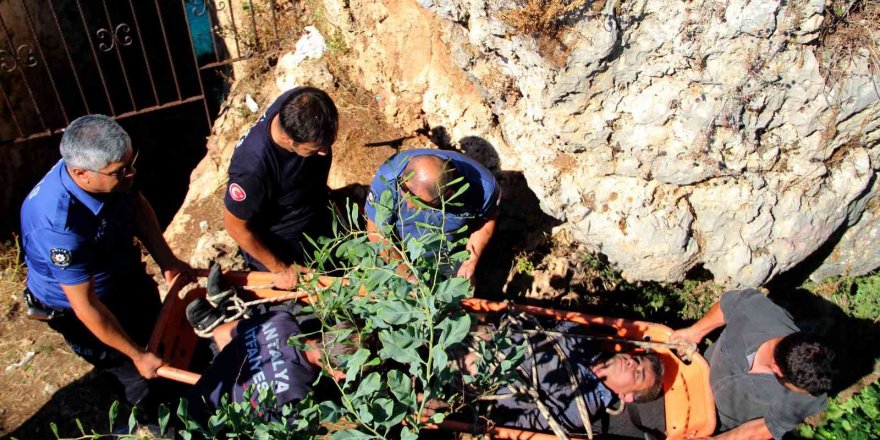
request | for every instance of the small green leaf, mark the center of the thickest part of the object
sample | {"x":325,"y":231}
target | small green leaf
{"x":113,"y":413}
{"x":368,"y":386}
{"x":132,"y":420}
{"x":407,"y":434}
{"x":396,"y":312}
{"x":440,"y":358}
{"x":454,"y":329}
{"x":80,"y":426}
{"x":453,"y":290}
{"x":354,"y":364}
{"x":399,"y":346}
{"x":54,"y":429}
{"x":351,"y":434}
{"x":164,"y":416}
{"x":401,"y":387}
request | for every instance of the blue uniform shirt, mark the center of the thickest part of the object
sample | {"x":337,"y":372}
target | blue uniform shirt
{"x":476,"y":204}
{"x":278,"y":192}
{"x":69,"y":235}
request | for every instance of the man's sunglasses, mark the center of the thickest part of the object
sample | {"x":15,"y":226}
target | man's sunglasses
{"x":123,"y":171}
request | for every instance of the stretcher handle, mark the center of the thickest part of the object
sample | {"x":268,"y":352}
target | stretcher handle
{"x":178,"y":375}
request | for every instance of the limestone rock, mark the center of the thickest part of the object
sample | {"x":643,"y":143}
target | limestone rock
{"x":667,"y":134}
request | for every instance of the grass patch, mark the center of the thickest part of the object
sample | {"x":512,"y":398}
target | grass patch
{"x":847,"y":36}
{"x":858,"y":297}
{"x":13,"y":273}
{"x":857,"y":418}
{"x":544,"y":17}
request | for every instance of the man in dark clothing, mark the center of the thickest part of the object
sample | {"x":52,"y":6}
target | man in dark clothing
{"x":765,"y":374}
{"x":255,"y":352}
{"x":277,"y":190}
{"x":582,"y":373}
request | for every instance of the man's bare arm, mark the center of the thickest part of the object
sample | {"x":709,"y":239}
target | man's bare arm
{"x":148,"y":231}
{"x":713,"y":319}
{"x":101,"y":322}
{"x":476,"y":244}
{"x":286,"y":276}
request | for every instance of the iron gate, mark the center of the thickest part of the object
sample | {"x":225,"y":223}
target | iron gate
{"x":60,"y":59}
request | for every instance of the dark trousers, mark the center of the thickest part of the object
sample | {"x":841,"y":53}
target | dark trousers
{"x":135,"y":304}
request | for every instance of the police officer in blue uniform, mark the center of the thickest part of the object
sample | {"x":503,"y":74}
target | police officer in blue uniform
{"x":421,"y":184}
{"x":277,"y":190}
{"x":85,"y":274}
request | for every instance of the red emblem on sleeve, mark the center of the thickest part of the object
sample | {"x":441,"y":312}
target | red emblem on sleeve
{"x":237,"y":193}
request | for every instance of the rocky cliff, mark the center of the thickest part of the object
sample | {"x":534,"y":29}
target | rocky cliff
{"x":666,"y":134}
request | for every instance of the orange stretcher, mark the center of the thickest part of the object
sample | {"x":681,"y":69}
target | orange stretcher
{"x":688,"y":402}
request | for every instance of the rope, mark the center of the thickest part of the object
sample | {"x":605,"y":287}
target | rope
{"x":532,"y":391}
{"x":240,"y":307}
{"x":573,"y":378}
{"x":687,"y":348}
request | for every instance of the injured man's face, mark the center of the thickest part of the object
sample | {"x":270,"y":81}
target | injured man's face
{"x":629,"y":376}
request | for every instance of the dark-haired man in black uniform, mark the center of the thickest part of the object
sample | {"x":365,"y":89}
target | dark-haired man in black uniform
{"x":277,"y":189}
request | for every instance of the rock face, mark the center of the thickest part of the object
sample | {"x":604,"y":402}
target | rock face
{"x":667,"y":134}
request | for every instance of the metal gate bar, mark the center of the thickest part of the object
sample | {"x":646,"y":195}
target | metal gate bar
{"x":137,"y":28}
{"x":30,"y":62}
{"x":196,"y":62}
{"x":69,"y":59}
{"x":95,"y":56}
{"x":239,"y":30}
{"x":33,"y":30}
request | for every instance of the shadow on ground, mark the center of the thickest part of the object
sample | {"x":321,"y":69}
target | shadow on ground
{"x":87,"y":399}
{"x":856,"y":341}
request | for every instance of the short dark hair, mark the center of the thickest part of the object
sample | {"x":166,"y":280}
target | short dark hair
{"x":806,"y":362}
{"x":309,"y":115}
{"x":656,"y":389}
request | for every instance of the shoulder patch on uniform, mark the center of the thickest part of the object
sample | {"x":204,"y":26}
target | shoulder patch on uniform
{"x":237,"y":193}
{"x":60,"y":257}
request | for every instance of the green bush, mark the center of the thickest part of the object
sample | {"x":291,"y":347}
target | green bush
{"x":416,"y":316}
{"x":856,"y":419}
{"x":392,"y":387}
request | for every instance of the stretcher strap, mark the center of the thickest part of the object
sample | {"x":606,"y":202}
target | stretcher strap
{"x":532,"y":392}
{"x":574,"y":379}
{"x":239,"y":309}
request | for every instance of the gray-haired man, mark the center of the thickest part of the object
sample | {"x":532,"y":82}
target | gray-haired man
{"x":85,"y":274}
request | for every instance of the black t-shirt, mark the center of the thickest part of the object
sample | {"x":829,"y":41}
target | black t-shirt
{"x":278,"y":192}
{"x":258,"y":355}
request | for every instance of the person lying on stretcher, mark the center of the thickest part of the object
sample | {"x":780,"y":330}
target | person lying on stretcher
{"x":566,"y":381}
{"x":255,"y":352}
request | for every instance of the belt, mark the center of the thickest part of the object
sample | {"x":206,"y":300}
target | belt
{"x":38,"y":310}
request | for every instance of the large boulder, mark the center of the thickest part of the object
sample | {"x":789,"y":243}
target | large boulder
{"x":667,"y":134}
